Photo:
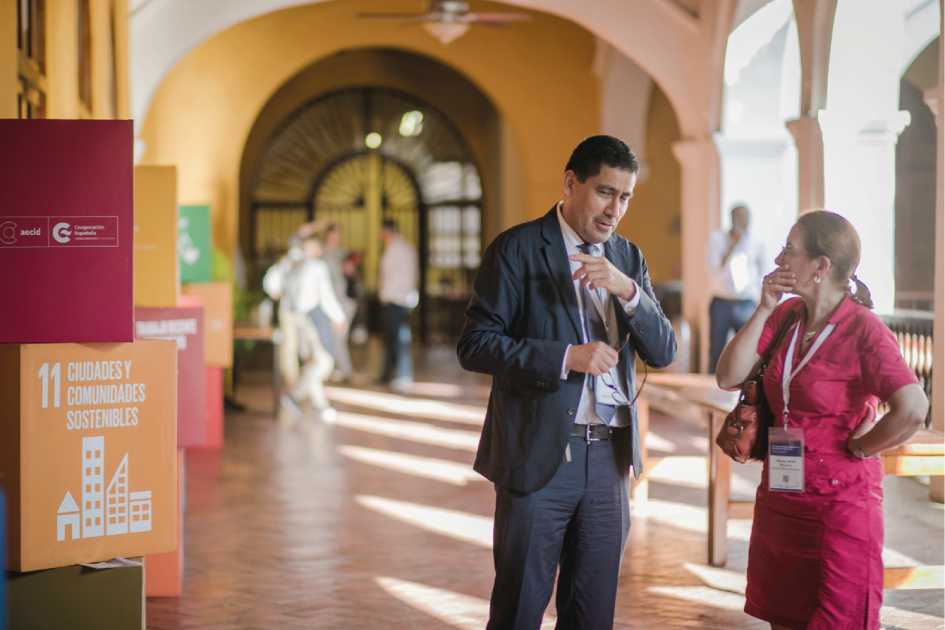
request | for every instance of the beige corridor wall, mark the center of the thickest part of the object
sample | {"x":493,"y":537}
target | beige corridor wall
{"x":537,"y":74}
{"x":653,"y":220}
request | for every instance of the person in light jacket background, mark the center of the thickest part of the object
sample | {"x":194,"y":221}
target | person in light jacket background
{"x":341,"y":269}
{"x":312,"y":296}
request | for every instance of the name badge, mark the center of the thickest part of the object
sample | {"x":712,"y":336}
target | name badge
{"x":786,"y":459}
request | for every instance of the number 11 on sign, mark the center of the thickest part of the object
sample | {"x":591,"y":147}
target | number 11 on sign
{"x":44,"y":374}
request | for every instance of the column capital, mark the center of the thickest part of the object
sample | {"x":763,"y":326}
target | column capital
{"x":931,"y":96}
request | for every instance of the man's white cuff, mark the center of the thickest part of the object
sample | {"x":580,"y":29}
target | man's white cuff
{"x":630,"y":307}
{"x":564,"y":364}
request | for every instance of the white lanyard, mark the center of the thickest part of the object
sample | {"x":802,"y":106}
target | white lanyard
{"x":789,"y":375}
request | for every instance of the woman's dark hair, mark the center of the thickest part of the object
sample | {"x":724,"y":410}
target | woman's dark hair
{"x":588,"y":157}
{"x":828,"y":234}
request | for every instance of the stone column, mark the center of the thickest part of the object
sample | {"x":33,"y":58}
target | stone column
{"x":935,"y":98}
{"x":810,"y":162}
{"x":699,"y":168}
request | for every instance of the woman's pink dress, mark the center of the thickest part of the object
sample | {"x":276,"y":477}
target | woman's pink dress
{"x":814,"y":561}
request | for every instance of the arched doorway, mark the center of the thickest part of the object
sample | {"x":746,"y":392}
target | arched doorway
{"x":357,"y":156}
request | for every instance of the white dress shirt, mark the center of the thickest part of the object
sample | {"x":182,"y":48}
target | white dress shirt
{"x":399,"y":273}
{"x":740,"y":278}
{"x":572,"y":243}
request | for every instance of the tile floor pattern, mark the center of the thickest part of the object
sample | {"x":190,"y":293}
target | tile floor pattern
{"x":301,"y":524}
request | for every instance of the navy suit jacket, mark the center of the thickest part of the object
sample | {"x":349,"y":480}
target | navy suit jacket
{"x":519,"y":322}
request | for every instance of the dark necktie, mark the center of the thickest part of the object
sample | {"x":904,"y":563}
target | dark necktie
{"x":596,"y":331}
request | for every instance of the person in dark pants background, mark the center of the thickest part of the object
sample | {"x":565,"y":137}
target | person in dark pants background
{"x":737,"y":261}
{"x":561,"y":308}
{"x":397,"y":290}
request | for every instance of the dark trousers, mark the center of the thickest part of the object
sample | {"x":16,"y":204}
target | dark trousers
{"x":725,"y":315}
{"x":396,"y":343}
{"x":579,"y":521}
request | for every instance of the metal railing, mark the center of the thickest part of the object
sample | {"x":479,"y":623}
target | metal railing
{"x":913,"y":330}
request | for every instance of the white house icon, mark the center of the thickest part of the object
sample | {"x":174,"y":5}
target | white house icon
{"x":68,"y":515}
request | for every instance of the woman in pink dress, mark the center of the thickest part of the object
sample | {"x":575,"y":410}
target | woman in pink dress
{"x":814,"y":560}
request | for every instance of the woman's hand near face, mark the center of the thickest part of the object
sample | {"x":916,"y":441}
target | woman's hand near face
{"x":775,"y":284}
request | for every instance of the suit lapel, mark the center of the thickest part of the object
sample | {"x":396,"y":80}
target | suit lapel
{"x":556,"y":257}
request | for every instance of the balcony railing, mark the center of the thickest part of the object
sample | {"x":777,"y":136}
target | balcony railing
{"x":913,"y":330}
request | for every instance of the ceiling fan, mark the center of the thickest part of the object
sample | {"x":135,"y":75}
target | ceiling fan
{"x":446,"y":20}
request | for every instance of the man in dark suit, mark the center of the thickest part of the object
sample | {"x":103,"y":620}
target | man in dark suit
{"x":561,"y":307}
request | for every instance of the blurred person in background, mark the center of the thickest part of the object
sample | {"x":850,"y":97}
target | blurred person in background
{"x":397,"y":290}
{"x":274,"y":284}
{"x":737,"y":261}
{"x":342,"y":272}
{"x":319,"y":316}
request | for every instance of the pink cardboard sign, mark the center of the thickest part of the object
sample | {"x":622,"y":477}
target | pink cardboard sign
{"x":186,"y":327}
{"x":66,"y":231}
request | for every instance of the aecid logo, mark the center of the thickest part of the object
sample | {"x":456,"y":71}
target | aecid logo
{"x":61,"y":232}
{"x":8,"y":233}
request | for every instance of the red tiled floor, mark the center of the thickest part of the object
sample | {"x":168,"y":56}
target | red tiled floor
{"x":278,"y":534}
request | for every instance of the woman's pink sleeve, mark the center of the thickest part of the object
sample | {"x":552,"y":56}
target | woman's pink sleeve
{"x":883,"y":368}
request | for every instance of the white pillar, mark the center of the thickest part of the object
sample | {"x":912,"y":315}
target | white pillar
{"x":936,"y":100}
{"x":861,"y":126}
{"x":810,"y":162}
{"x":699,"y":169}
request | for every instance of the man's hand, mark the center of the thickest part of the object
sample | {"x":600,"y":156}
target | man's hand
{"x":597,"y":272}
{"x":591,"y":358}
{"x":340,"y":328}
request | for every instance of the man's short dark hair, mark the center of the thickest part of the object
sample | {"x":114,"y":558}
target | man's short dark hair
{"x":597,"y":151}
{"x":390,"y":225}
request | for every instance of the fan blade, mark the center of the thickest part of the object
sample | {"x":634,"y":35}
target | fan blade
{"x":479,"y":18}
{"x":392,"y":16}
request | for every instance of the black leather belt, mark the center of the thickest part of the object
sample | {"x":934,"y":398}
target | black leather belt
{"x":592,"y":432}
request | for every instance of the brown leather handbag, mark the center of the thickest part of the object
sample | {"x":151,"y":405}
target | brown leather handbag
{"x":744,"y":436}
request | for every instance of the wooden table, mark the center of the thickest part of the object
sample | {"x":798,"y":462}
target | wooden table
{"x":697,"y":398}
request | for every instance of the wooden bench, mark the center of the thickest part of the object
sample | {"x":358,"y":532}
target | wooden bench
{"x":697,"y":399}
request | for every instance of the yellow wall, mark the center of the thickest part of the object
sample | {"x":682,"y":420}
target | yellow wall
{"x":8,"y":59}
{"x":537,"y":74}
{"x":653,"y":218}
{"x":62,"y":72}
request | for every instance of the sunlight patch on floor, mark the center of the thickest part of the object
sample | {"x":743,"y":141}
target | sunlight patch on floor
{"x":687,"y":517}
{"x":691,"y":472}
{"x":458,"y":610}
{"x":471,"y":528}
{"x":702,"y":595}
{"x":416,"y":407}
{"x":413,"y":431}
{"x":721,"y":579}
{"x":427,"y":467}
{"x":656,"y":442}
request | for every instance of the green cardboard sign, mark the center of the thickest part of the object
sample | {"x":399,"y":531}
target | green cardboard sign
{"x":193,"y":244}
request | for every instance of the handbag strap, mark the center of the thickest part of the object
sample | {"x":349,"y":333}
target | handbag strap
{"x":778,"y":338}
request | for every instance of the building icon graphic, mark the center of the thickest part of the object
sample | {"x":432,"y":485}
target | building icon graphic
{"x":109,"y":513}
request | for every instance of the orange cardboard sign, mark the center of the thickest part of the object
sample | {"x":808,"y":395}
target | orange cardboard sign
{"x":218,"y":320}
{"x":88,"y":451}
{"x":157,"y":280}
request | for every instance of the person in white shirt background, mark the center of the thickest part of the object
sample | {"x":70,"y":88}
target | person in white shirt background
{"x":397,"y":290}
{"x":312,"y":296}
{"x":737,"y":262}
